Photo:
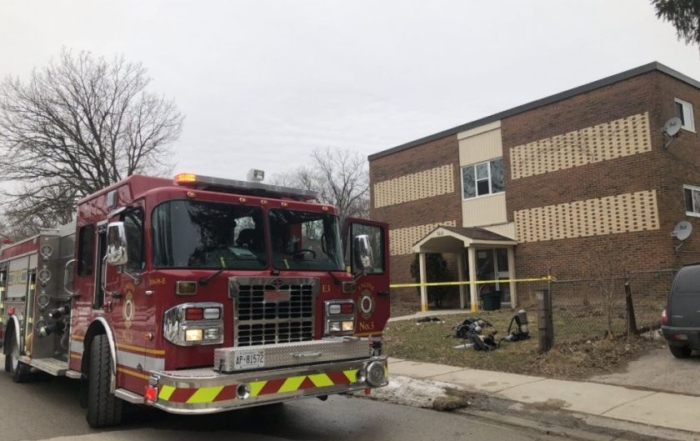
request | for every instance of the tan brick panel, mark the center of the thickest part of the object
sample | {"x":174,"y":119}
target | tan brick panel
{"x":401,"y":240}
{"x":425,"y":184}
{"x":614,"y":139}
{"x":593,"y":217}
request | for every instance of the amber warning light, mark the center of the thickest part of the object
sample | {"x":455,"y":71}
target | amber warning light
{"x":183,"y":178}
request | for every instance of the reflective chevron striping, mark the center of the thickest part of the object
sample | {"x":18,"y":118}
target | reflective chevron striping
{"x":321,"y":380}
{"x":166,"y":392}
{"x":291,"y":384}
{"x":257,"y":388}
{"x":205,"y":395}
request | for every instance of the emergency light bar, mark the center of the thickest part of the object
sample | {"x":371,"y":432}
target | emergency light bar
{"x":252,"y":188}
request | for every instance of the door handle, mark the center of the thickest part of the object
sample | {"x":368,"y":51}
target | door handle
{"x":65,"y":277}
{"x":103,"y":275}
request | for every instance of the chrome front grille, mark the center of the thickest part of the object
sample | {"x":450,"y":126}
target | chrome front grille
{"x":270,"y":310}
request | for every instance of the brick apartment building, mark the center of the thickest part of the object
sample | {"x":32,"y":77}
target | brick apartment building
{"x":567,"y":182}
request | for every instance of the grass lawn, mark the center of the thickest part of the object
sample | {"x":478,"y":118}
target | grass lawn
{"x":578,"y":354}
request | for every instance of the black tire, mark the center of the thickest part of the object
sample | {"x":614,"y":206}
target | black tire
{"x":19,"y":371}
{"x":680,"y":351}
{"x":103,"y":408}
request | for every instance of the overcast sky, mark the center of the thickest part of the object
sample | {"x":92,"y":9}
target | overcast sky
{"x":263,"y":83}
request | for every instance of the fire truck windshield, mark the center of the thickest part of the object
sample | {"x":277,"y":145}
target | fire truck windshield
{"x":305,"y":241}
{"x":198,"y":234}
{"x":212,"y":235}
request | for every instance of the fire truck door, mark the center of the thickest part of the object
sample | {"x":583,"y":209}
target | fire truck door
{"x":130,"y":303}
{"x":372,"y":291}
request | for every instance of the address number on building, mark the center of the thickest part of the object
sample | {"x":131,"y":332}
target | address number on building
{"x":249,"y":360}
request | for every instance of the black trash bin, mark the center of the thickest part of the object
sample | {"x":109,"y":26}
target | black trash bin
{"x":491,"y":300}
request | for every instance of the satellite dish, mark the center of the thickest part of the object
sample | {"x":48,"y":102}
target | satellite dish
{"x":672,"y":129}
{"x":673,"y":126}
{"x":682,"y":230}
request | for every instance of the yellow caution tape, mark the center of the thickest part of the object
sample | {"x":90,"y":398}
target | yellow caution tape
{"x":468,"y":282}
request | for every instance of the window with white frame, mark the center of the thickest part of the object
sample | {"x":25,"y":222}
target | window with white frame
{"x":692,"y":200}
{"x":684,"y":111}
{"x":482,"y":179}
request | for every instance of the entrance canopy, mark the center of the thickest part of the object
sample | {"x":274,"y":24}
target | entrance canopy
{"x":456,"y":240}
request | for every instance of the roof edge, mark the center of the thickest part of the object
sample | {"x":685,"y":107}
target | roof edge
{"x":650,"y":67}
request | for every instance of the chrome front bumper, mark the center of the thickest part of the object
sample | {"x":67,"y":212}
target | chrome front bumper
{"x":202,"y":391}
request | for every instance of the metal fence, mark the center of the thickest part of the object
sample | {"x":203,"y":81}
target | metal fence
{"x":590,"y":308}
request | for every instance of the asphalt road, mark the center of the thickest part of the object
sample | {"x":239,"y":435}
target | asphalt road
{"x":49,"y":410}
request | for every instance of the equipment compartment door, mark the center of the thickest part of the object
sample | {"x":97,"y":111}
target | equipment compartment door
{"x":372,"y":291}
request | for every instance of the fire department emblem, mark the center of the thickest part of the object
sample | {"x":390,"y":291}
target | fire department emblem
{"x":276,"y":284}
{"x":276,"y":296}
{"x":128,"y":310}
{"x":366,"y":304}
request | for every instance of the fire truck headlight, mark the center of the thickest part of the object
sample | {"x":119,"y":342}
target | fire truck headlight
{"x":340,"y":318}
{"x":212,"y":313}
{"x":212,"y":334}
{"x":193,"y":335}
{"x":197,"y":323}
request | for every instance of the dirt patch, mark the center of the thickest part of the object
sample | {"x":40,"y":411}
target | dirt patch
{"x":657,"y":370}
{"x":592,"y":357}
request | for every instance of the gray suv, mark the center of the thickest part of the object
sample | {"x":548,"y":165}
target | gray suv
{"x":680,"y":321}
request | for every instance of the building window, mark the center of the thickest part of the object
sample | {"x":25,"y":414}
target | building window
{"x":482,"y":179}
{"x":684,"y":111}
{"x":692,"y":200}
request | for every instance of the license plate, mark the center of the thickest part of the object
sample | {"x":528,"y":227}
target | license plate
{"x":249,"y":359}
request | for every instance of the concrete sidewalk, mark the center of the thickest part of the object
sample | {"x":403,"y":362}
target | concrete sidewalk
{"x":680,"y":412}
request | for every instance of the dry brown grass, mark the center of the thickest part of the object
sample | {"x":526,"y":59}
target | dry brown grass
{"x":576,"y":357}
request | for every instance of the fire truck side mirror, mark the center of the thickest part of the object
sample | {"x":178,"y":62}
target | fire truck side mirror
{"x":116,"y":244}
{"x":362,"y":252}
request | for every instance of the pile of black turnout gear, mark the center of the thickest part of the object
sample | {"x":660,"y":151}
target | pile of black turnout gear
{"x":473,"y":331}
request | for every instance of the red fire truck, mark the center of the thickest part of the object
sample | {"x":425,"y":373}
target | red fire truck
{"x":198,"y":295}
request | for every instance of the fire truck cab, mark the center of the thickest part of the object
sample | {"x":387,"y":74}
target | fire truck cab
{"x":198,"y":295}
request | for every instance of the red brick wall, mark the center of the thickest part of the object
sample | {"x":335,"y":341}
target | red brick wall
{"x":663,"y":170}
{"x":445,"y":207}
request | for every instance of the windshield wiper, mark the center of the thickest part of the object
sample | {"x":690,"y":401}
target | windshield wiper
{"x":204,"y":280}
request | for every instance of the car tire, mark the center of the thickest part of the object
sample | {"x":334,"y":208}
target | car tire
{"x":103,"y":408}
{"x":680,"y":351}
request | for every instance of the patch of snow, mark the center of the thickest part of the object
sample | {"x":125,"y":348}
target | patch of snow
{"x":411,"y":392}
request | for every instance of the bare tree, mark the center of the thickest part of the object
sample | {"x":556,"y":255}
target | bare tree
{"x":683,"y":14}
{"x":340,"y":175}
{"x":79,"y":125}
{"x":606,"y":265}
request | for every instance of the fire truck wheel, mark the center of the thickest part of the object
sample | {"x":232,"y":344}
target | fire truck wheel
{"x":103,"y":408}
{"x":18,"y":370}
